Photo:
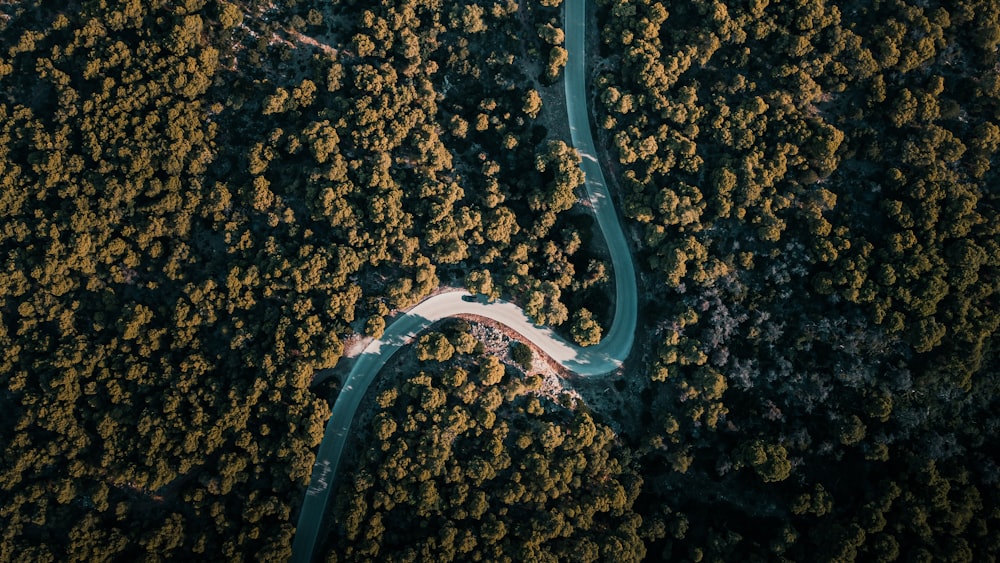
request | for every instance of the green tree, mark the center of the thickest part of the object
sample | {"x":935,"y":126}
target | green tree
{"x":434,"y":346}
{"x":532,"y":103}
{"x":770,"y":461}
{"x":585,"y":330}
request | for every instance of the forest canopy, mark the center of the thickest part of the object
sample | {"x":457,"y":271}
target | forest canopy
{"x":204,"y":201}
{"x":469,"y":460}
{"x":815,"y":185}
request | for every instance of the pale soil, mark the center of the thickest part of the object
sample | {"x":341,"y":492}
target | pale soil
{"x":497,"y":339}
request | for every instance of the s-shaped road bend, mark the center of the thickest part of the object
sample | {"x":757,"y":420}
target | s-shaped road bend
{"x":607,"y":356}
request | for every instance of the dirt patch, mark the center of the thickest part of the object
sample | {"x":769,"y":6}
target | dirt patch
{"x":534,"y":55}
{"x":497,"y":339}
{"x":553,"y":115}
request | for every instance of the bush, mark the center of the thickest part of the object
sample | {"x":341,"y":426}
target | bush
{"x":522,"y":355}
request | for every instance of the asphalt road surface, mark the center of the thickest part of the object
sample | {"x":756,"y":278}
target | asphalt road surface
{"x":601,"y":359}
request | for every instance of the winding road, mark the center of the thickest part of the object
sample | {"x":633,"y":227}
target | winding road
{"x":603,"y":358}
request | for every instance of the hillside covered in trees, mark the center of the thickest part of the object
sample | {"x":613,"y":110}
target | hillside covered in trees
{"x":476,"y":462}
{"x":202,"y":200}
{"x":816,"y":187}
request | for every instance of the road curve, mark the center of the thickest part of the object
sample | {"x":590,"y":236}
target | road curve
{"x":603,"y":358}
{"x":618,"y":342}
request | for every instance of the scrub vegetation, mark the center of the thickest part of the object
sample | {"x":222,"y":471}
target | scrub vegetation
{"x":468,"y":459}
{"x":815,"y":184}
{"x":200,"y":200}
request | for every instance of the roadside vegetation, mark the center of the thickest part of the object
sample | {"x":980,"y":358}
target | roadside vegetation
{"x":468,"y":459}
{"x":201,"y":199}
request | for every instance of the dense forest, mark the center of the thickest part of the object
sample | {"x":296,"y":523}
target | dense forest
{"x":816,"y":187}
{"x":203,"y":200}
{"x":476,"y":462}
